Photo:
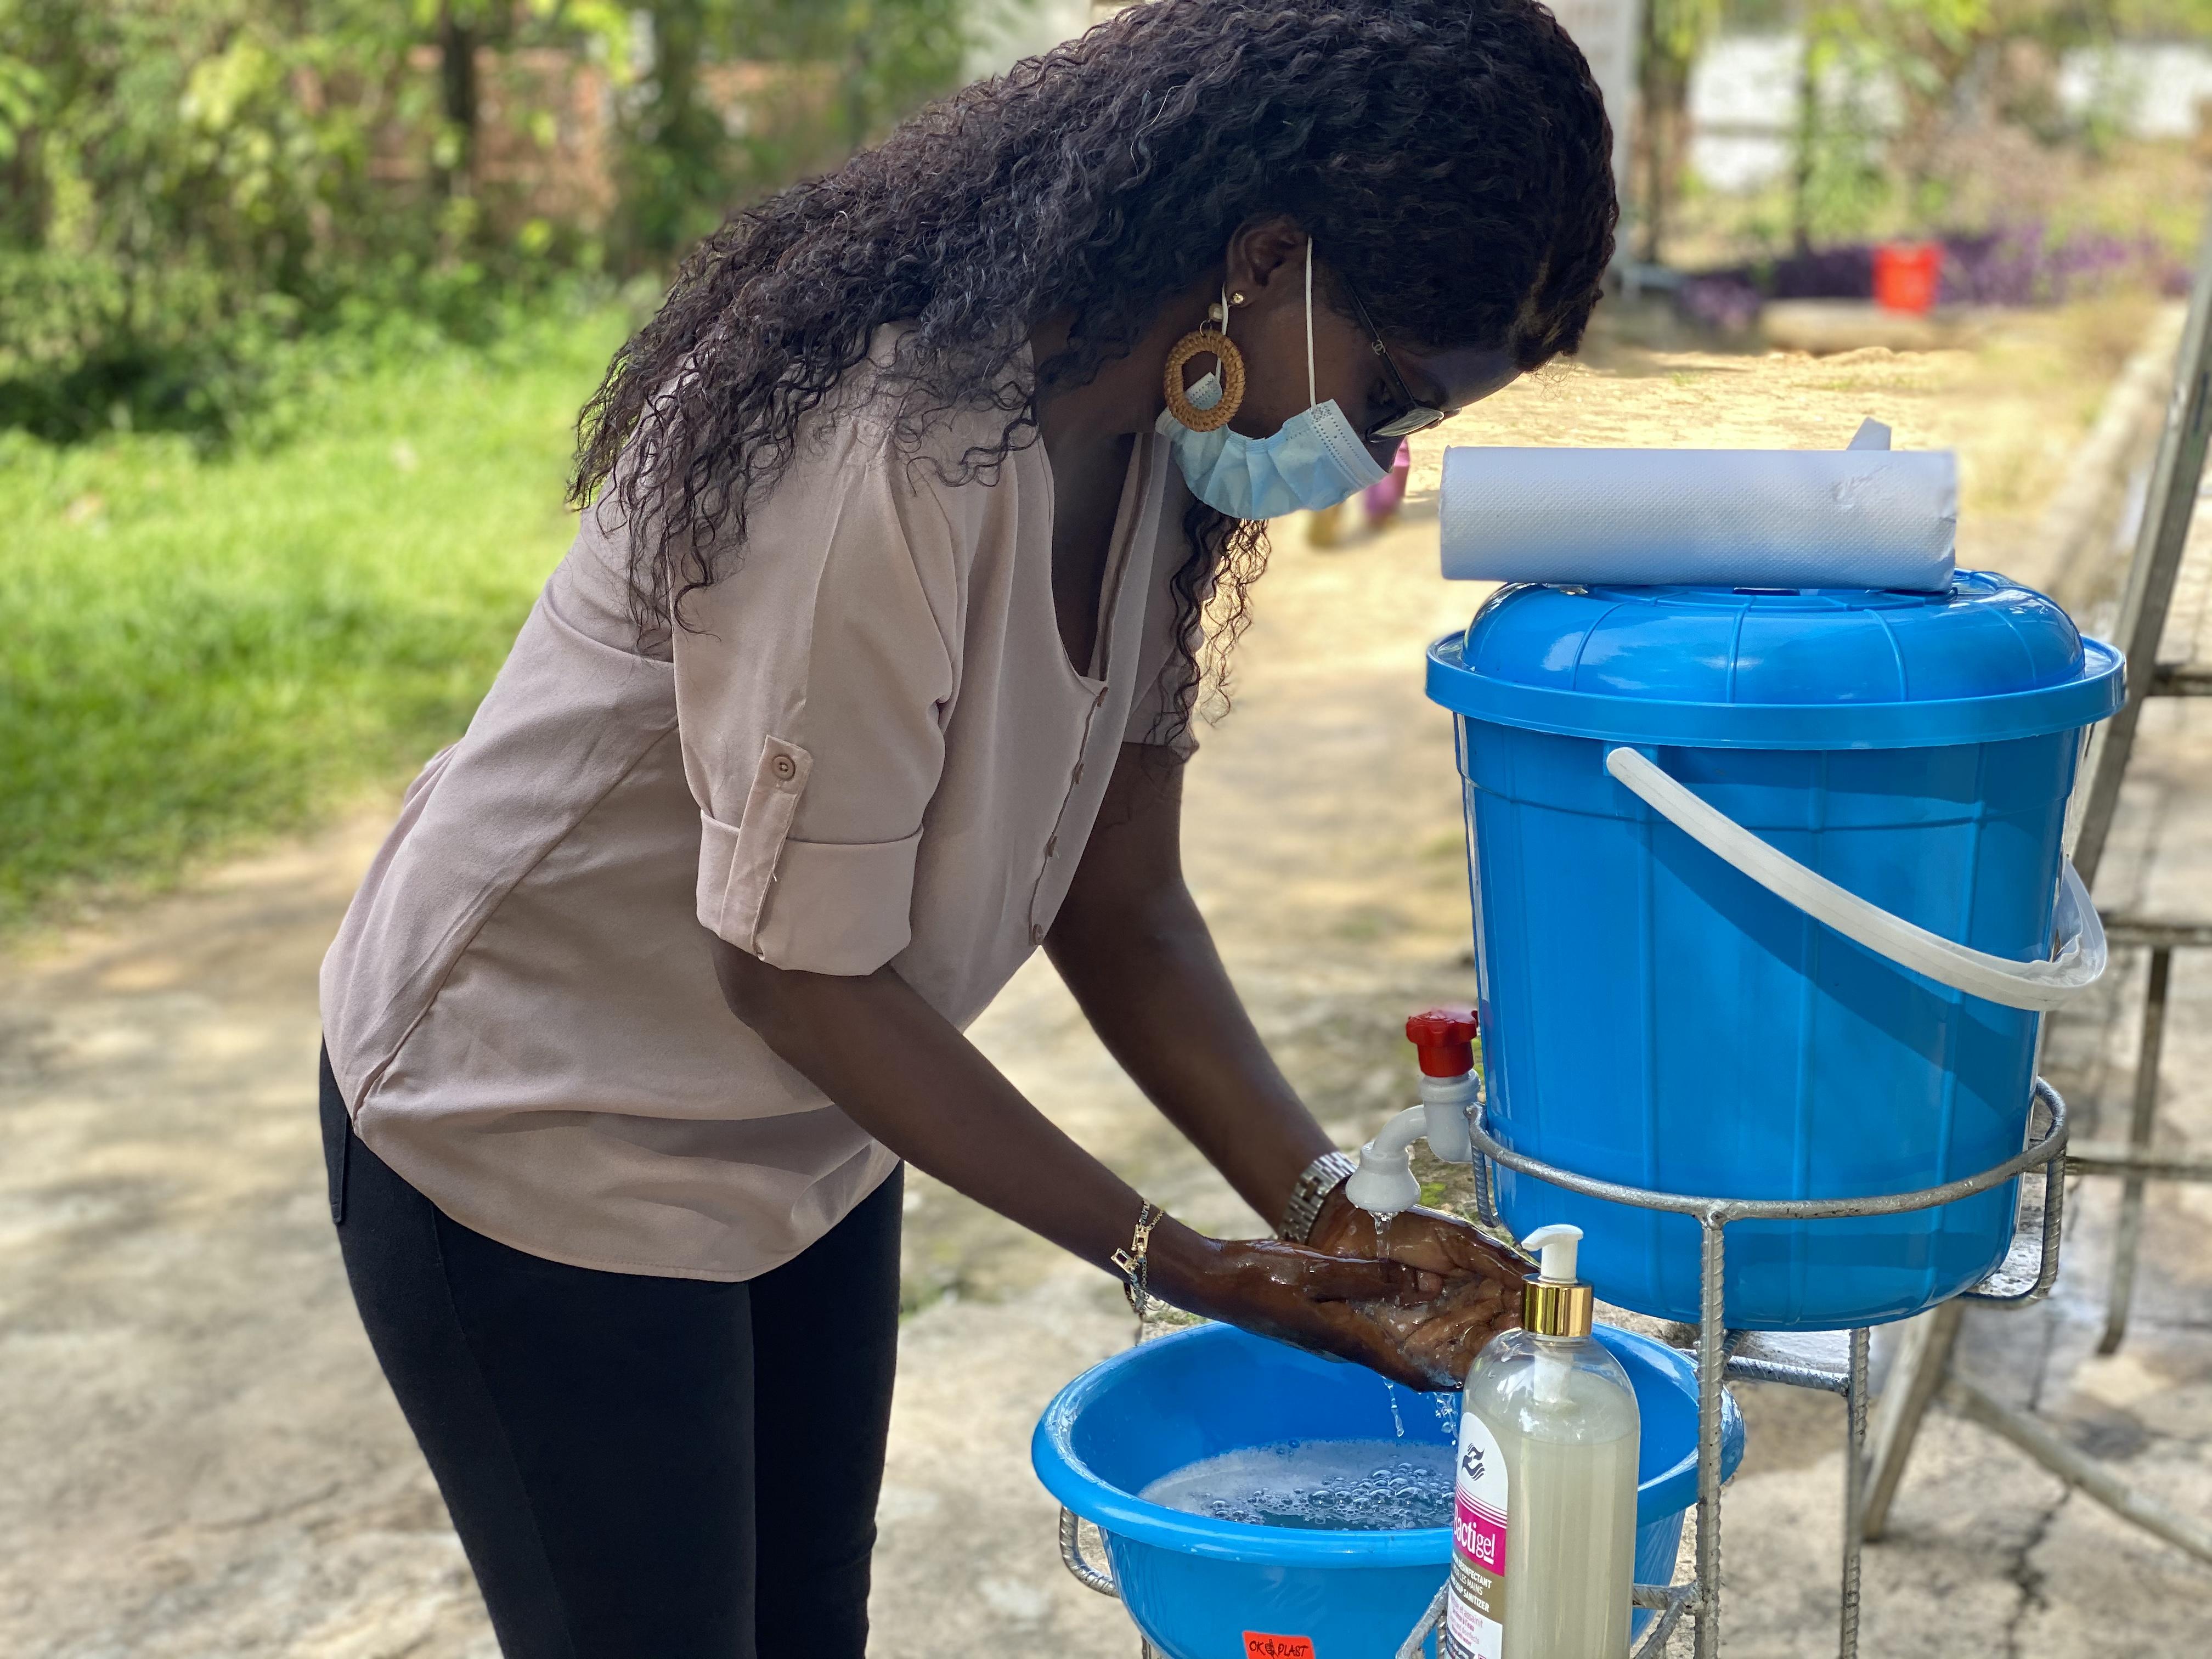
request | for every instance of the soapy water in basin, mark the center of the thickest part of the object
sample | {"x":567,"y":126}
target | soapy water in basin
{"x":1334,"y":1485}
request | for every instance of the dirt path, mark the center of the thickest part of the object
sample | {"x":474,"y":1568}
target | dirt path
{"x":203,"y":1459}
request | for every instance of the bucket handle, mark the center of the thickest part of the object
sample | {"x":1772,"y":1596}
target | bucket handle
{"x":2039,"y":985}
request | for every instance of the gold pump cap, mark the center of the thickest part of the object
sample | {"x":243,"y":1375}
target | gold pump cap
{"x":1553,"y":1302}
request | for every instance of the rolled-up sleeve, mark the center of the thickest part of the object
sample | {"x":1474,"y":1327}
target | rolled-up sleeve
{"x":812,"y":684}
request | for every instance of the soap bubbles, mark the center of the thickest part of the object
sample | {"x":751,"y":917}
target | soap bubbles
{"x":1336,"y":1485}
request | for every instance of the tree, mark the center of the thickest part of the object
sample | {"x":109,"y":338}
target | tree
{"x":1948,"y":65}
{"x":182,"y":181}
{"x":1674,"y":33}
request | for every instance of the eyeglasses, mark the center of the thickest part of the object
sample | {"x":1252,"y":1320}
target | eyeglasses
{"x":1416,"y":416}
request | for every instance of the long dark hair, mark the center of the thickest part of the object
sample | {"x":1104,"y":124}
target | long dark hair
{"x":1451,"y":157}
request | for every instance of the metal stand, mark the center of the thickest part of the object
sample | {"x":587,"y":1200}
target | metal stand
{"x":1091,"y":1576}
{"x":2133,"y":1162}
{"x":1835,"y":1362}
{"x":2157,"y":564}
{"x":1923,"y":1371}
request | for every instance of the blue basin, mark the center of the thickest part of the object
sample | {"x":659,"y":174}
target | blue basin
{"x":1198,"y":1587}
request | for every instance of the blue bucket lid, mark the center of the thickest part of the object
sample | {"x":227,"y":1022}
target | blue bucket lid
{"x":1765,"y":668}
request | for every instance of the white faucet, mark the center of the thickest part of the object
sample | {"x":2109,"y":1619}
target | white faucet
{"x":1383,"y":1184}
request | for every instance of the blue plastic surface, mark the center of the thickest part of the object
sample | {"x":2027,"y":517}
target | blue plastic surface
{"x":1650,"y":1016}
{"x":1729,"y":668}
{"x":1195,"y":1585}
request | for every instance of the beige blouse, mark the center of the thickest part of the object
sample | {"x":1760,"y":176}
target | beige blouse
{"x":870,"y":748}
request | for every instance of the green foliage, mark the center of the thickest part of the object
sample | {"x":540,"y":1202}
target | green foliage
{"x":850,"y":70}
{"x":1894,"y":84}
{"x":1677,"y":30}
{"x":287,"y":385}
{"x":2179,"y":20}
{"x":1674,"y":33}
{"x":1844,"y":181}
{"x":188,"y":187}
{"x":201,"y":648}
{"x":1758,"y":16}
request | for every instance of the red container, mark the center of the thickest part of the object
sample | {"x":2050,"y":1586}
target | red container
{"x":1906,"y":274}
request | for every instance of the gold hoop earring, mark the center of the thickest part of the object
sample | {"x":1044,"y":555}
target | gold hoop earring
{"x":1199,"y":342}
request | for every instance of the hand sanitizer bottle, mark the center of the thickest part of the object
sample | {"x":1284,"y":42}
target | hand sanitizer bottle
{"x":1544,"y":1535}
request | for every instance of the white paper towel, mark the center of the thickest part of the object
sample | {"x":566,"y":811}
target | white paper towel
{"x":1734,"y":517}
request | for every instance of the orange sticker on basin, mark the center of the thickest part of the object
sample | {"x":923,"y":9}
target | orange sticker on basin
{"x":1260,"y":1645}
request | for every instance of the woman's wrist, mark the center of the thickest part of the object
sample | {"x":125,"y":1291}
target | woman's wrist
{"x":1312,"y":1195}
{"x":1184,"y":1263}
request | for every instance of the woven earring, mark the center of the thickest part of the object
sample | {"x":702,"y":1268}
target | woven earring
{"x":1199,"y":342}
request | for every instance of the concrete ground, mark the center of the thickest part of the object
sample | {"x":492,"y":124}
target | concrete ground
{"x":203,"y":1461}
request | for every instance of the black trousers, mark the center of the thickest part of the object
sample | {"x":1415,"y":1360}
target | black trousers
{"x":638,"y":1467}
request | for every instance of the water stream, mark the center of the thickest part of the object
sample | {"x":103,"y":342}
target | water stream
{"x":1383,"y":1220}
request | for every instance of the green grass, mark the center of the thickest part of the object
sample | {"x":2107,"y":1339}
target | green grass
{"x":197,"y":653}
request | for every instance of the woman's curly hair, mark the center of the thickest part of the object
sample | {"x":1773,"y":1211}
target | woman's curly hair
{"x":1451,"y":157}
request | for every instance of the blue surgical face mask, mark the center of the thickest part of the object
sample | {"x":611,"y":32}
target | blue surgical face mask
{"x":1314,"y":461}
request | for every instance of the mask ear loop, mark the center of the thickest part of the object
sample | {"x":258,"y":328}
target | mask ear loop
{"x":1311,"y":399}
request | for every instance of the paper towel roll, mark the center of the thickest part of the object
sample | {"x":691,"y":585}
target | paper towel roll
{"x":1733,"y":518}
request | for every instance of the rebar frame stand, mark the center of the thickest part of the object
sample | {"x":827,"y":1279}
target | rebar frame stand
{"x":1834,"y":1362}
{"x":1801,"y":1360}
{"x":2135,"y":1163}
{"x":1922,"y":1372}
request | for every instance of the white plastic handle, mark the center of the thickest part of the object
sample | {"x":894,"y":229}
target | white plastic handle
{"x":2041,"y":986}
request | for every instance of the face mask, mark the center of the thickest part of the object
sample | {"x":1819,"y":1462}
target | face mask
{"x":1314,"y":461}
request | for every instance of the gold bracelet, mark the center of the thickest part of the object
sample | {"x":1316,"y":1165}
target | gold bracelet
{"x":1133,"y":1264}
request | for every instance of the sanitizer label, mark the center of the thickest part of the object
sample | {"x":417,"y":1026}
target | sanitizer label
{"x":1474,"y":1611}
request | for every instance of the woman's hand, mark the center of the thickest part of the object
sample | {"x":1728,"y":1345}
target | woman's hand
{"x":1332,"y":1304}
{"x":1426,"y":1239}
{"x":1479,"y":1281}
{"x":1416,"y":1326}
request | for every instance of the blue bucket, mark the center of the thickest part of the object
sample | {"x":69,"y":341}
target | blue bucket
{"x":1654,"y":1015}
{"x":1196,"y":1587}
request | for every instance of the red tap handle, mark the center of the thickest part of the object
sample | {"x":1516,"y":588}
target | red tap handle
{"x":1445,"y":1036}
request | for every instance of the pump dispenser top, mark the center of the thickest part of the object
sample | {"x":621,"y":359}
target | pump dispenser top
{"x":1553,"y":1302}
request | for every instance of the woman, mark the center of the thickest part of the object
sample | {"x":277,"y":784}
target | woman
{"x":872,"y":671}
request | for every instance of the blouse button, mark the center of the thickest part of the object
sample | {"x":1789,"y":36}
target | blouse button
{"x":1077,"y":775}
{"x":785,"y":768}
{"x":1037,"y":935}
{"x":1052,"y":846}
{"x":1099,"y":701}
